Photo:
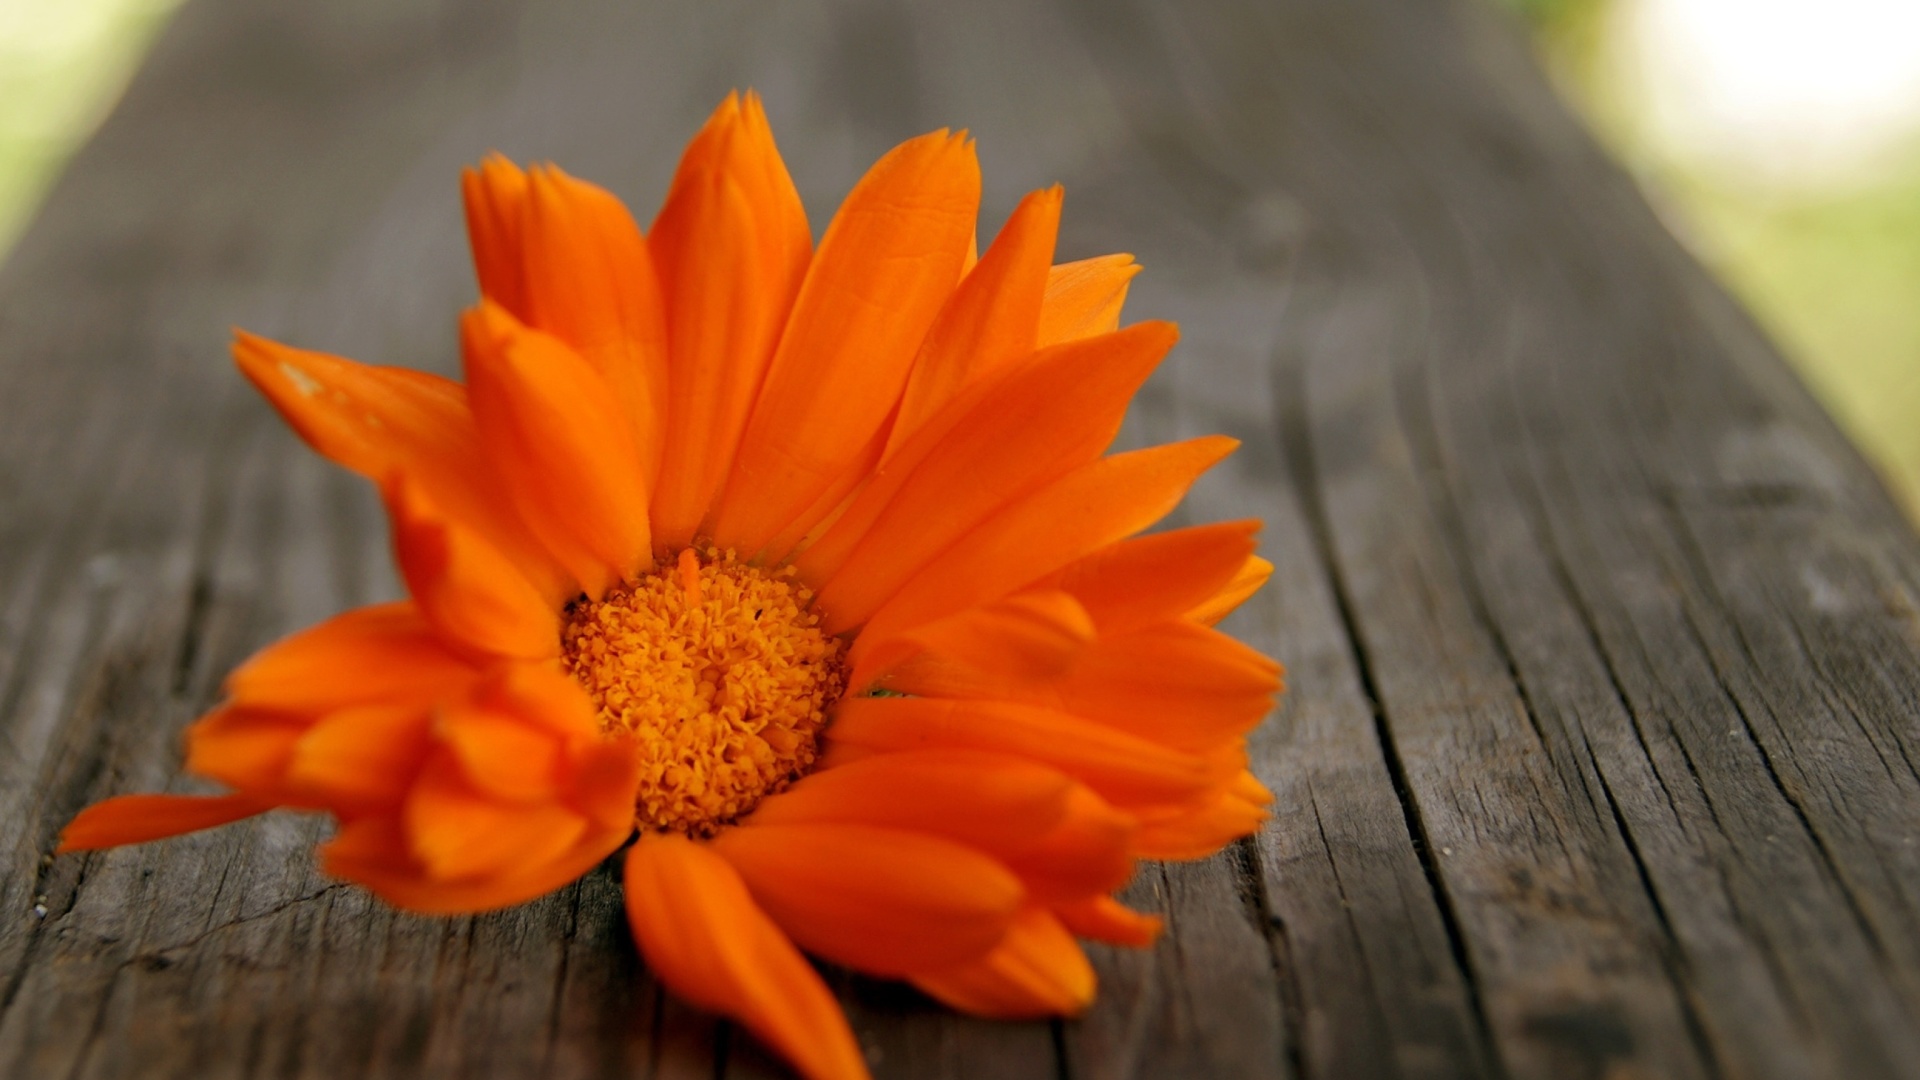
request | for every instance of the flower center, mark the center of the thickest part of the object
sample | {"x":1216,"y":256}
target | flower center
{"x":719,"y":672}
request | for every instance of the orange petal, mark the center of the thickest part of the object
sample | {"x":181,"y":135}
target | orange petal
{"x":1089,"y":508}
{"x":731,"y":245}
{"x":1036,"y":971}
{"x":1154,"y":578}
{"x":458,"y":831}
{"x":1197,"y":832}
{"x":560,"y":446}
{"x":1103,"y":918}
{"x":590,"y":282}
{"x":704,"y":937}
{"x":883,"y":901}
{"x":885,"y":266}
{"x":1252,"y":574}
{"x":495,"y":197}
{"x":1177,"y":684}
{"x":136,"y":819}
{"x":246,"y":749}
{"x":991,"y":320}
{"x":564,"y":256}
{"x":374,"y":851}
{"x":378,"y":420}
{"x":991,"y":801}
{"x":383,"y":653}
{"x":1089,"y":852}
{"x":1084,"y":298}
{"x":512,"y":735}
{"x":362,"y":758}
{"x":1122,"y":767}
{"x":1027,"y":637}
{"x":1055,"y":414}
{"x":466,"y":588}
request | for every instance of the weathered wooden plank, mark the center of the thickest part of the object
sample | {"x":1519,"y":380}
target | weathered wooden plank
{"x":1598,"y":757}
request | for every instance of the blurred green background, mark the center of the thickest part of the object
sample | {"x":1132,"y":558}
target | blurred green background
{"x":1780,"y":139}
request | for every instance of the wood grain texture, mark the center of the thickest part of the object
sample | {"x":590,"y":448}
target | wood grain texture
{"x":1599,"y":754}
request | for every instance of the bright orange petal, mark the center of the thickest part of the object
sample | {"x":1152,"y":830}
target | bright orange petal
{"x":1200,"y":831}
{"x":1160,"y":576}
{"x":1084,"y":298}
{"x":883,"y":269}
{"x":499,"y":753}
{"x":1036,"y":971}
{"x":1125,"y":768}
{"x":1088,"y":853}
{"x":136,"y":819}
{"x":383,"y":653}
{"x":559,"y":445}
{"x":1103,"y":918}
{"x":731,"y":245}
{"x":379,"y":420}
{"x":495,"y":197}
{"x":466,"y":588}
{"x":362,"y":758}
{"x":1089,"y":508}
{"x":590,"y":282}
{"x":1247,"y":581}
{"x":991,"y":801}
{"x":1178,"y":684}
{"x":1055,"y":414}
{"x":458,"y":831}
{"x":991,"y":320}
{"x":375,"y":852}
{"x":706,"y":939}
{"x":246,"y":749}
{"x":1028,"y":637}
{"x":884,"y":901}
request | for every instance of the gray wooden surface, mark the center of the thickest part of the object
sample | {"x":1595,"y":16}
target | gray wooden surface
{"x":1599,"y":754}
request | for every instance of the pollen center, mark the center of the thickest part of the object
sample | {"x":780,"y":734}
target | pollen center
{"x":722,"y":675}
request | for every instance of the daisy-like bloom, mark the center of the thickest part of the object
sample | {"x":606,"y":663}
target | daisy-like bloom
{"x":801,"y":574}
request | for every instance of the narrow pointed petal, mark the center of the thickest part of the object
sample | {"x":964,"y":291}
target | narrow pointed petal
{"x":884,"y":901}
{"x":1124,"y":768}
{"x":361,"y":759}
{"x":468,"y":590}
{"x":995,"y":802}
{"x":731,"y":245}
{"x":1197,"y":832}
{"x":458,"y":831}
{"x":1151,"y":579}
{"x":885,"y":266}
{"x":392,"y":650}
{"x":1096,"y":505}
{"x":1036,"y":971}
{"x":246,"y":749}
{"x":705,"y":938}
{"x":1089,"y":852}
{"x":380,"y":420}
{"x":375,"y":852}
{"x":1084,"y":298}
{"x":560,"y":446}
{"x":1103,"y":918}
{"x":1057,"y":413}
{"x":136,"y":819}
{"x":1028,"y":637}
{"x":590,"y":282}
{"x":1247,"y":581}
{"x":991,"y":320}
{"x":495,"y":197}
{"x":1177,"y":684}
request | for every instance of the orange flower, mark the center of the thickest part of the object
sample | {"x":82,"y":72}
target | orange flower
{"x":805,"y":567}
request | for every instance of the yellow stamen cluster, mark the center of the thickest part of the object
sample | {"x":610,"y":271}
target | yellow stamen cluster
{"x":719,"y":672}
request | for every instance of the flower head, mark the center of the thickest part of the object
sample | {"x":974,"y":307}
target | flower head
{"x":802,"y":575}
